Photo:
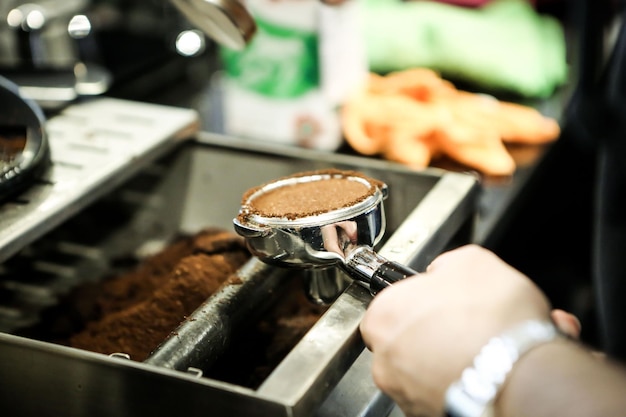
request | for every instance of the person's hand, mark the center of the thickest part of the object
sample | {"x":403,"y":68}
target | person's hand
{"x":339,"y":236}
{"x":566,"y":322}
{"x":423,"y":331}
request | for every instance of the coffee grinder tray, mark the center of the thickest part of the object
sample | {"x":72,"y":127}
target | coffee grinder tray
{"x":325,"y":374}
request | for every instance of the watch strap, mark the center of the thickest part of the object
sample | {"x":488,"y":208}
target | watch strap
{"x":474,"y":393}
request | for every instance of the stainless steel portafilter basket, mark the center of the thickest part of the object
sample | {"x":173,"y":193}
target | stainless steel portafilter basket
{"x":342,"y":236}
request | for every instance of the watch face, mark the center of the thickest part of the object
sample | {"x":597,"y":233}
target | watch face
{"x":24,"y":152}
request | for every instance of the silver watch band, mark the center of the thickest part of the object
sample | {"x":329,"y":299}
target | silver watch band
{"x":473,"y":394}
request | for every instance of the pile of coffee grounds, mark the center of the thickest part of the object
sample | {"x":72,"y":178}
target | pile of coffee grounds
{"x":134,"y":312}
{"x":322,"y":192}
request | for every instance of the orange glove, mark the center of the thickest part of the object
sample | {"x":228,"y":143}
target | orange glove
{"x":414,"y":115}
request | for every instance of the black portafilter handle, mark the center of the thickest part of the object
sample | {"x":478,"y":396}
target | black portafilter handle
{"x":373,"y":270}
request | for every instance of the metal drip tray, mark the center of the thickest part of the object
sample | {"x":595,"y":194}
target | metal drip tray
{"x":94,"y":147}
{"x":196,"y":184}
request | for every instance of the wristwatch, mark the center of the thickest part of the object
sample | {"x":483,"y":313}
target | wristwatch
{"x":474,"y":393}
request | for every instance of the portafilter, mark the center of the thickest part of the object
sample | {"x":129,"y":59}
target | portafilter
{"x":318,"y":219}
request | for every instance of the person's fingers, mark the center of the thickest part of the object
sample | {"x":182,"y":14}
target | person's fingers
{"x":570,"y":326}
{"x":438,"y":261}
{"x":566,"y":323}
{"x":331,"y":239}
{"x":337,"y":235}
{"x":350,"y":229}
{"x":383,"y":317}
{"x":375,"y":327}
{"x":452,"y":256}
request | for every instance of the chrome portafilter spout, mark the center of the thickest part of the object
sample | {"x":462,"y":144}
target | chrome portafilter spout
{"x":322,"y":286}
{"x":318,"y":219}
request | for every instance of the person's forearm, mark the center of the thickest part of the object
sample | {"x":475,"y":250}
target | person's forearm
{"x":563,"y":379}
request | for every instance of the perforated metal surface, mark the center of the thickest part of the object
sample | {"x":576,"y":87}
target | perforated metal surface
{"x":95,"y":146}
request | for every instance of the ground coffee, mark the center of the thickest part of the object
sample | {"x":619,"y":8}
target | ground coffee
{"x":322,"y":192}
{"x":136,"y":311}
{"x":133,"y":312}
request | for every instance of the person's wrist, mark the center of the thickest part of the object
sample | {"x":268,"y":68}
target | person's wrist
{"x":475,"y":392}
{"x":523,"y":382}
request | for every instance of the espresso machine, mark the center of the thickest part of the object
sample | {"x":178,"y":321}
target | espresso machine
{"x":57,"y":51}
{"x":40,"y":51}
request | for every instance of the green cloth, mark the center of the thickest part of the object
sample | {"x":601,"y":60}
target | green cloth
{"x":505,"y":45}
